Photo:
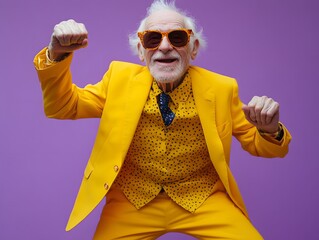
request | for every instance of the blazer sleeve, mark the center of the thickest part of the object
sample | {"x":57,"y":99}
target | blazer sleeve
{"x":248,"y":135}
{"x":62,"y":98}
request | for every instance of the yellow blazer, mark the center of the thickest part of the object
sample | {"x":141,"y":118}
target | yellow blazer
{"x":118,"y":99}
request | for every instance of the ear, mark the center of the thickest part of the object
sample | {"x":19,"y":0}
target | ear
{"x":195,"y":49}
{"x":140,"y":52}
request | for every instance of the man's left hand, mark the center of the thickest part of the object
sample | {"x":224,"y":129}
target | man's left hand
{"x":263,"y":112}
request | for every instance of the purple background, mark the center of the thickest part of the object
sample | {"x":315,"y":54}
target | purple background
{"x":270,"y":47}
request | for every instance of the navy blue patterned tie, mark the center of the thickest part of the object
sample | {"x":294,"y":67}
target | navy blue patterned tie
{"x":167,"y":113}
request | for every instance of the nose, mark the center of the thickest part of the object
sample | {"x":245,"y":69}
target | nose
{"x":165,"y":45}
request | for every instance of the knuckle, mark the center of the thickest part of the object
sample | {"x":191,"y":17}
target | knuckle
{"x":56,"y":27}
{"x":270,"y":99}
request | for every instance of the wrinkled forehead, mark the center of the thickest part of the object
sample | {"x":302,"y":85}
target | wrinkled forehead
{"x":164,"y":21}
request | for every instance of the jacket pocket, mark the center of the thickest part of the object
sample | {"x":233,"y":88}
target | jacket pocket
{"x":88,"y":170}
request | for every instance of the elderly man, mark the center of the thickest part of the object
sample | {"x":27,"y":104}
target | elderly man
{"x":161,"y":155}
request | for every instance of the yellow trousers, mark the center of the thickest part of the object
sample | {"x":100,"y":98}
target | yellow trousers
{"x":218,"y":218}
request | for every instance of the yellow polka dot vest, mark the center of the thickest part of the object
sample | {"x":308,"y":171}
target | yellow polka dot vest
{"x":173,"y":158}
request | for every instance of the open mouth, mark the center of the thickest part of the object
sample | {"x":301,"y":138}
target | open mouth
{"x":167,"y":60}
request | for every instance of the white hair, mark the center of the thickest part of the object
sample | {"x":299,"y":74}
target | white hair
{"x":164,"y":5}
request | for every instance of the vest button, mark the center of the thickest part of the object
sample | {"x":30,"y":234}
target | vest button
{"x":116,"y":168}
{"x":106,"y":186}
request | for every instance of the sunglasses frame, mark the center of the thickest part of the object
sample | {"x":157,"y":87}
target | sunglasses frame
{"x":164,"y":34}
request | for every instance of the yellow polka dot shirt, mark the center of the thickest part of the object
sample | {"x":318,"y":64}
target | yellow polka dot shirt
{"x":173,"y":158}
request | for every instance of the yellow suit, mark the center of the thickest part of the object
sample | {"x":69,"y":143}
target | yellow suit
{"x":118,"y":99}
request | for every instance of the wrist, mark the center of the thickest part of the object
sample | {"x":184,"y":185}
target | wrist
{"x":276,"y":135}
{"x":54,"y":57}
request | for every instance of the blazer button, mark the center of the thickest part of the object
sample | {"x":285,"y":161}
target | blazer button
{"x":116,"y":168}
{"x":106,"y":186}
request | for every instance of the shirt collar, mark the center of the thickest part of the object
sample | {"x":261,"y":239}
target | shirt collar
{"x":179,"y":94}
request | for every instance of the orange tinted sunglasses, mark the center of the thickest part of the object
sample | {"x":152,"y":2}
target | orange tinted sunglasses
{"x":151,"y":39}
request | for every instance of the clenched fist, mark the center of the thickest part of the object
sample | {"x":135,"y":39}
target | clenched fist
{"x":67,"y":37}
{"x":263,"y":112}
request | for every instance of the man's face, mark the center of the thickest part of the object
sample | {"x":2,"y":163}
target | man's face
{"x":166,"y":63}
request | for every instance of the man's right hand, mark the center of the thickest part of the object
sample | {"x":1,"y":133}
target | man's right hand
{"x":67,"y":37}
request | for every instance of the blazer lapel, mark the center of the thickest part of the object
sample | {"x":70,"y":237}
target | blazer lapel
{"x":138,"y":91}
{"x":205,"y":104}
